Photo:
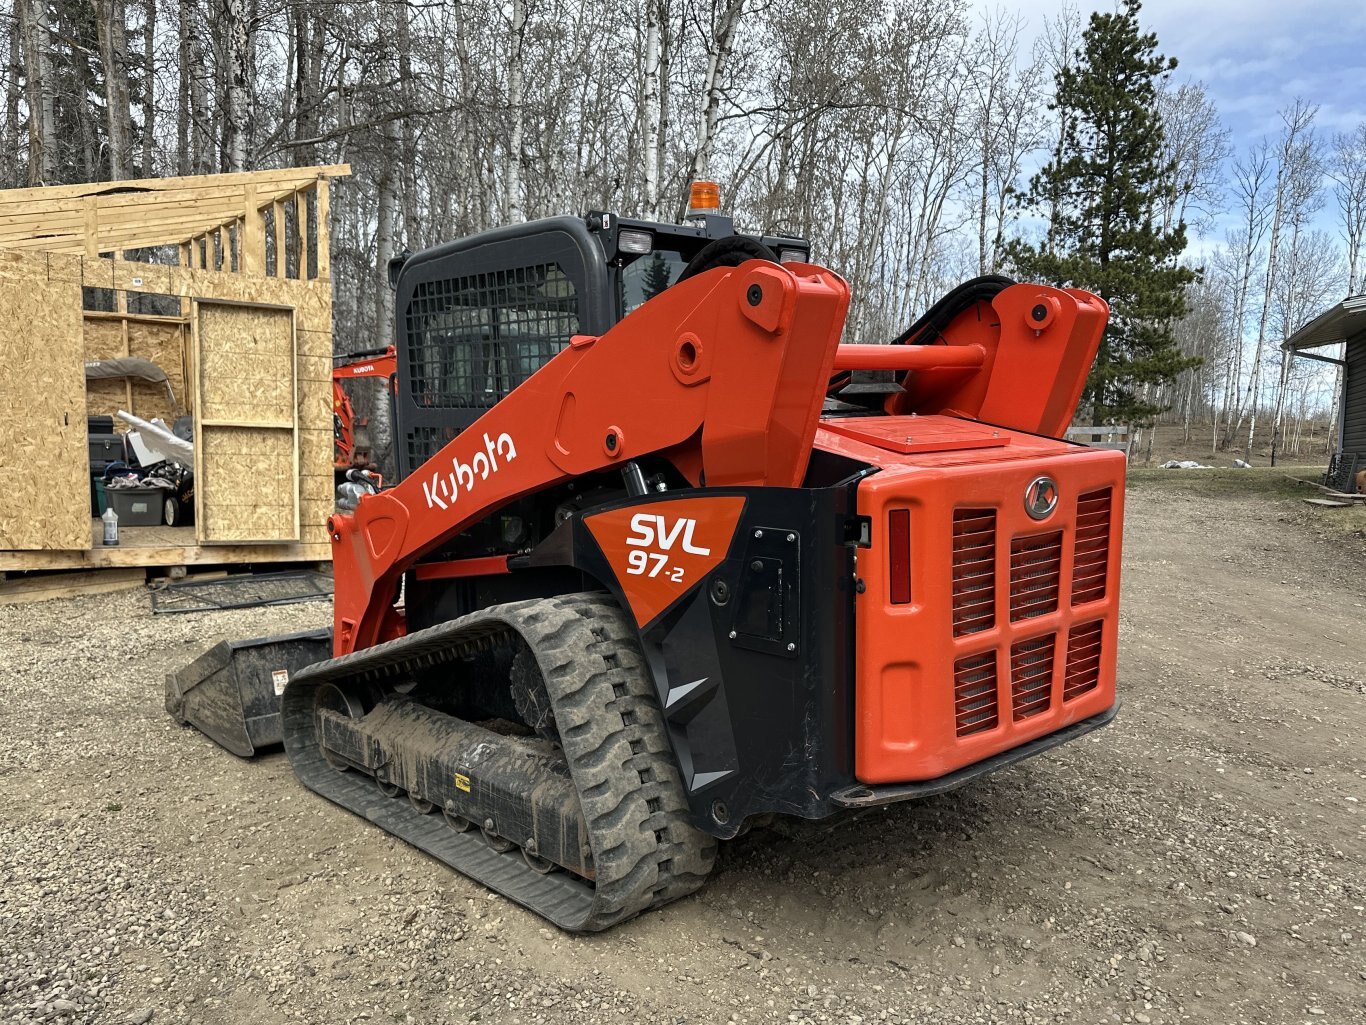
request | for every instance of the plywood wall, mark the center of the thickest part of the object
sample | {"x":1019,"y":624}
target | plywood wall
{"x":246,"y":486}
{"x":44,"y":459}
{"x":246,"y":368}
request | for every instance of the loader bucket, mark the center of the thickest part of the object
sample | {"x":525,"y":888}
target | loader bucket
{"x":232,"y":691}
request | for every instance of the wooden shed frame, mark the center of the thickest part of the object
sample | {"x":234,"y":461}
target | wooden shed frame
{"x":230,"y":292}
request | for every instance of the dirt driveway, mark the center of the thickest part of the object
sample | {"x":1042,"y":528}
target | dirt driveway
{"x":1203,"y":860}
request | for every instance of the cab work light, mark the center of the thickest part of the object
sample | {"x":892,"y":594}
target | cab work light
{"x":631,"y":240}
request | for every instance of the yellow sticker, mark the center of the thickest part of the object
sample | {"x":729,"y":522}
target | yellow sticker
{"x":462,"y":782}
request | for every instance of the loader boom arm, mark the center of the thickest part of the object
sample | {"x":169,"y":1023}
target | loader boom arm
{"x":725,"y":372}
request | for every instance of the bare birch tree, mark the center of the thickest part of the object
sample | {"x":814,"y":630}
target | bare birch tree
{"x":234,"y":42}
{"x":42,"y":117}
{"x":1347,"y":168}
{"x":112,"y":29}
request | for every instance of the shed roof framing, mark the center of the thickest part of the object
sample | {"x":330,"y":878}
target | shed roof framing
{"x":112,"y":217}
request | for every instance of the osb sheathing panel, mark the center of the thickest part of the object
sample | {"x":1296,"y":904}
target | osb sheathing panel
{"x":247,"y":370}
{"x":44,"y":460}
{"x":311,"y":300}
{"x":251,"y":472}
{"x":247,"y":478}
{"x":158,"y":341}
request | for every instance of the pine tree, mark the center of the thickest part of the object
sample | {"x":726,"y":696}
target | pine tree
{"x":656,"y":277}
{"x":1102,"y":190}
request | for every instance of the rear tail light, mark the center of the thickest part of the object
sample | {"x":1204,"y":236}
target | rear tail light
{"x":899,"y":555}
{"x":974,"y":693}
{"x":974,"y":570}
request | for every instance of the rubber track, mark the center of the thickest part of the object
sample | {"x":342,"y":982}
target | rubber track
{"x":645,"y":852}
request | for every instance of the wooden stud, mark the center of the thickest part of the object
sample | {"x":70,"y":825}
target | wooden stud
{"x":277,"y":211}
{"x":122,"y":306}
{"x":113,"y":217}
{"x":91,"y":229}
{"x":300,"y":200}
{"x":253,"y":237}
{"x":323,"y":240}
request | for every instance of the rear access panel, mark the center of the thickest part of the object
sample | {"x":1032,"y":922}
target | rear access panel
{"x":913,"y":434}
{"x":989,"y":612}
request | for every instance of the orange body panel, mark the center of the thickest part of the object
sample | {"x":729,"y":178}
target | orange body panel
{"x":956,"y":650}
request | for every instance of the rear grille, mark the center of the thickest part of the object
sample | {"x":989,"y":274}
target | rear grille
{"x":1031,"y":676}
{"x":974,"y":570}
{"x":974,"y":693}
{"x":1083,"y":660}
{"x":1035,"y":566}
{"x":1091,"y":554}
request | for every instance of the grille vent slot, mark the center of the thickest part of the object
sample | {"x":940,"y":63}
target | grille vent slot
{"x":1083,"y":660}
{"x":974,"y":693}
{"x":1091,"y":552}
{"x":974,"y":570}
{"x":1035,"y":567}
{"x":1031,"y":676}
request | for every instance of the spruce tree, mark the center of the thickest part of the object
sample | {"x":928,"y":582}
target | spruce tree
{"x":1100,"y":193}
{"x":656,"y":275}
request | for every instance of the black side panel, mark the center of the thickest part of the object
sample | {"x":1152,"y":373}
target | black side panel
{"x":476,"y":318}
{"x":754,"y":665}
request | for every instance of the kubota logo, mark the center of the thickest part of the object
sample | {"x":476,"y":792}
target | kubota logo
{"x":442,"y":491}
{"x":1041,"y":497}
{"x":661,"y":550}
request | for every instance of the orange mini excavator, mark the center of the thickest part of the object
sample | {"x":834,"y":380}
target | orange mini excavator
{"x":370,"y":363}
{"x":663,"y":560}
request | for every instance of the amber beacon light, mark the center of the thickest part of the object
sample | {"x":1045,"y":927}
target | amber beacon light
{"x":704,"y":198}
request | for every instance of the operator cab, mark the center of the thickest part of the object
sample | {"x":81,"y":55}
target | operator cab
{"x":476,"y":317}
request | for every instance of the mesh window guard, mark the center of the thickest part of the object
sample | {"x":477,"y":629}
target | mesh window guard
{"x":473,"y":339}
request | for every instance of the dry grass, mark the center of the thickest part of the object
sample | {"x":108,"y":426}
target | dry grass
{"x":1277,"y":487}
{"x":1170,"y":443}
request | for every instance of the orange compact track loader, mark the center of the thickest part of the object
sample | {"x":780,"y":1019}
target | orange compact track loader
{"x":664,"y":560}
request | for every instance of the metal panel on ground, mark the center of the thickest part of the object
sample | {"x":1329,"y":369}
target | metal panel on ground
{"x":246,"y":424}
{"x":44,"y":461}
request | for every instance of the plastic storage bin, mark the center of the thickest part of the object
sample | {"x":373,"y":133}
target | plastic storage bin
{"x":136,"y":507}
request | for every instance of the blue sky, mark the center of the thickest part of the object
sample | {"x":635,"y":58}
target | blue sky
{"x":1255,"y":57}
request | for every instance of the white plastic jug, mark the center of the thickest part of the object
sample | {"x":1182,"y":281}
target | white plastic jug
{"x":111,"y":526}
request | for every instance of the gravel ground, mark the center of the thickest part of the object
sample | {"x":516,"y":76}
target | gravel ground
{"x":1200,"y":861}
